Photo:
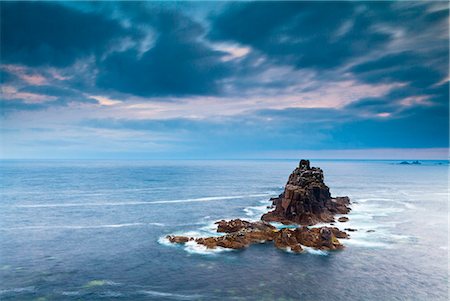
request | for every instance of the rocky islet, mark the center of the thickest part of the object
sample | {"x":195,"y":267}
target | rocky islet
{"x":305,"y":201}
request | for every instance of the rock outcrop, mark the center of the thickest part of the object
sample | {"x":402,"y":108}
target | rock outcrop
{"x":306,"y":199}
{"x":247,"y":233}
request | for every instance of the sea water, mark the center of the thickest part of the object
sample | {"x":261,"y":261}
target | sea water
{"x":95,"y":230}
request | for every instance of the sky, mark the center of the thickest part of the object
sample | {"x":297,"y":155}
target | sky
{"x":224,"y":80}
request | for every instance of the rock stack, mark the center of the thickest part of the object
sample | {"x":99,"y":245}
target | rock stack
{"x":306,"y":199}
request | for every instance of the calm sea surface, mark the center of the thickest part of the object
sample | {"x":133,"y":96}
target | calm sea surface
{"x":94,"y":230}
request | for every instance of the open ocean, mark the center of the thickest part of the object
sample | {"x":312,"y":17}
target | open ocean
{"x":94,"y":230}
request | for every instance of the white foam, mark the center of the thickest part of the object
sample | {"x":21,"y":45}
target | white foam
{"x":157,"y":224}
{"x":282,"y":226}
{"x":169,"y":295}
{"x":315,"y":251}
{"x":371,"y":210}
{"x":307,"y":250}
{"x":71,"y":293}
{"x":410,"y":206}
{"x":366,"y":243}
{"x":191,"y":246}
{"x":374,"y":199}
{"x":100,"y":282}
{"x":210,"y":229}
{"x":205,"y":199}
{"x":163,"y":240}
{"x":195,"y":248}
{"x":255,"y":211}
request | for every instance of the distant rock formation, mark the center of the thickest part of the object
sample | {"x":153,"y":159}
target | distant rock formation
{"x":412,"y":163}
{"x":306,"y":199}
{"x":241,"y":234}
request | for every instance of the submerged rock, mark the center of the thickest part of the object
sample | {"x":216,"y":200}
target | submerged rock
{"x":306,"y":199}
{"x":178,"y":239}
{"x":343,"y":219}
{"x":351,"y":229}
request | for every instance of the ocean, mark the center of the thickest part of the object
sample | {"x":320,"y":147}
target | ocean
{"x":95,"y":230}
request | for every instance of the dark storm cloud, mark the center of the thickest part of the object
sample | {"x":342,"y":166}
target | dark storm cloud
{"x":411,"y":68}
{"x":46,"y":33}
{"x":6,"y":77}
{"x":303,"y":34}
{"x":179,"y":63}
{"x":172,"y":67}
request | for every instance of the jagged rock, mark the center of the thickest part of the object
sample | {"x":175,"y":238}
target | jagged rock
{"x":231,"y":226}
{"x":343,"y":219}
{"x":178,"y":239}
{"x":324,"y":238}
{"x":286,"y":238}
{"x":306,"y":199}
{"x":338,"y":233}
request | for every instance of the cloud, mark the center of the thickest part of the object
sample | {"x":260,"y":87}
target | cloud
{"x":300,"y":128}
{"x":225,"y":79}
{"x":47,"y":33}
{"x":406,"y":67}
{"x":178,"y":63}
{"x":304,"y":34}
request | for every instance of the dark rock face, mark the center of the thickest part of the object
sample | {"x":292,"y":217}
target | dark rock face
{"x":324,"y":238}
{"x":306,"y":199}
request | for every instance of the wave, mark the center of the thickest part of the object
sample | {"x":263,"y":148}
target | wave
{"x":203,"y":199}
{"x":79,"y":227}
{"x":169,"y":295}
{"x":18,"y":290}
{"x":192,"y":247}
{"x":101,"y":282}
{"x":367,"y":243}
{"x":165,"y":242}
{"x":255,"y":211}
{"x":195,"y":248}
{"x":314,"y":251}
{"x":374,"y":199}
{"x":71,"y":293}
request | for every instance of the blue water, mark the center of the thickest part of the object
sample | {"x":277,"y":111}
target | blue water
{"x":94,"y":230}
